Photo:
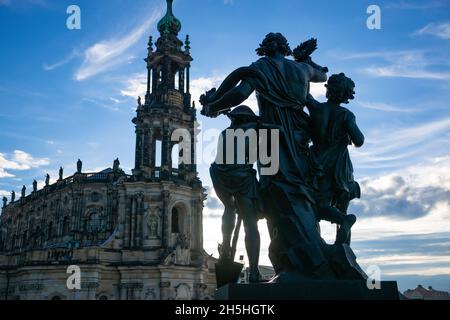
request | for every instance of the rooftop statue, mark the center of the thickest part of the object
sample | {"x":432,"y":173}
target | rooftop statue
{"x":13,"y":196}
{"x":47,"y":180}
{"x":61,"y":173}
{"x":116,"y":165}
{"x":34,"y":186}
{"x":297,"y":250}
{"x":79,"y":166}
{"x":24,"y":190}
{"x":5,"y":201}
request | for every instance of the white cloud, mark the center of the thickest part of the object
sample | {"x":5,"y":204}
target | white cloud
{"x":200,"y":85}
{"x":136,"y":86}
{"x":19,"y":161}
{"x":439,"y":30}
{"x":318,"y":91}
{"x":415,"y":193}
{"x":108,"y":54}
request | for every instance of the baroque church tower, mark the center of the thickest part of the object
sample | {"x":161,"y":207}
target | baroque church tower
{"x":167,"y":108}
{"x":165,"y":138}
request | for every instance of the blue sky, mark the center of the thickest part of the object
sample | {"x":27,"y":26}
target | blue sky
{"x":69,"y":94}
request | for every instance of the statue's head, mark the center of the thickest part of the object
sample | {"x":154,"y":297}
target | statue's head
{"x":273,"y":44}
{"x":340,"y":89}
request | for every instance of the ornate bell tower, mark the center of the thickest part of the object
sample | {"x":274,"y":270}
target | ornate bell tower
{"x":166,"y":110}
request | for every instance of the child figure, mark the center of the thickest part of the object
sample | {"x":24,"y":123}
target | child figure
{"x":333,"y":129}
{"x":237,"y":187}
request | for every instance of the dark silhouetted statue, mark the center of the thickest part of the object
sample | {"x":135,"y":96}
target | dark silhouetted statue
{"x":24,"y":190}
{"x":236,"y":186}
{"x":297,"y":251}
{"x":61,"y":173}
{"x":333,"y":129}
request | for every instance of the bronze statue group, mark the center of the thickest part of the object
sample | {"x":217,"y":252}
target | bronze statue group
{"x":315,"y":177}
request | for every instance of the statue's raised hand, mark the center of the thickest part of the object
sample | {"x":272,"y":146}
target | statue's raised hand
{"x":208,"y":97}
{"x":205,"y":100}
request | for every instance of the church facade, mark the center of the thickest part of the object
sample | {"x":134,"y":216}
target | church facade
{"x":132,"y":236}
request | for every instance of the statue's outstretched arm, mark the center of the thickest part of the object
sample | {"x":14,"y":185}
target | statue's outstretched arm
{"x":316,"y":75}
{"x":354,"y":132}
{"x":231,"y":94}
{"x":231,"y":99}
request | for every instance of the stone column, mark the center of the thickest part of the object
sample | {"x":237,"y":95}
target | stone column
{"x":133,"y":221}
{"x":165,"y":234}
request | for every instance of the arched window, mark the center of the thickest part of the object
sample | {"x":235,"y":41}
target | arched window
{"x":177,"y":81}
{"x":175,"y":220}
{"x":103,"y":297}
{"x":158,"y":153}
{"x":175,"y":156}
{"x":56,"y":298}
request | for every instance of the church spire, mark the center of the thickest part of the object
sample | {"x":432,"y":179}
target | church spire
{"x":169,"y":24}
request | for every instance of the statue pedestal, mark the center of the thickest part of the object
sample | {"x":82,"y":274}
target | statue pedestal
{"x":309,"y":290}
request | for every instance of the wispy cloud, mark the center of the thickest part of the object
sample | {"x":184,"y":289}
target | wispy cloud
{"x":393,"y":147}
{"x":414,"y":64}
{"x":417,"y":5}
{"x":107,"y":54}
{"x":23,"y":3}
{"x":386,"y":107}
{"x":69,"y":58}
{"x":438,"y":30}
{"x":108,"y":105}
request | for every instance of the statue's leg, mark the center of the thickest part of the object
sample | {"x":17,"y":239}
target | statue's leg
{"x":248,"y":213}
{"x":228,"y":223}
{"x":342,"y":204}
{"x":345,"y":222}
